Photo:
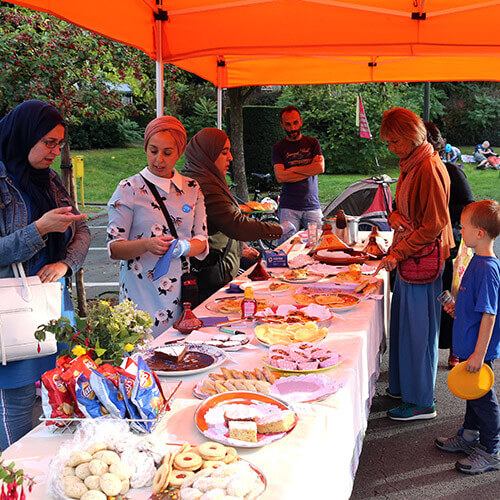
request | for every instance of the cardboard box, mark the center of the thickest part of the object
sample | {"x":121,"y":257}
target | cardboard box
{"x":275,"y":258}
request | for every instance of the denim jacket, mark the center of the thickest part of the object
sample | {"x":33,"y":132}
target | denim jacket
{"x":19,"y":241}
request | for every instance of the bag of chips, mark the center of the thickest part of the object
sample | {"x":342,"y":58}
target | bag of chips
{"x":56,"y":400}
{"x":108,"y":394}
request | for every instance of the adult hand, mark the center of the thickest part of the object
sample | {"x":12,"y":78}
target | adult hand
{"x":474,"y":363}
{"x":182,"y":248}
{"x":158,"y":245}
{"x":250,"y":253}
{"x":52,"y":272}
{"x":399,"y":223}
{"x":388,"y":263}
{"x":288,"y":227}
{"x":57,"y":220}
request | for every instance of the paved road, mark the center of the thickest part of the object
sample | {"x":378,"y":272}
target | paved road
{"x":399,"y":460}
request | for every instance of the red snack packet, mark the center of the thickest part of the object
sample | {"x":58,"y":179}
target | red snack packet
{"x":109,"y":372}
{"x":56,"y":400}
{"x":79,"y":365}
{"x":64,"y":362}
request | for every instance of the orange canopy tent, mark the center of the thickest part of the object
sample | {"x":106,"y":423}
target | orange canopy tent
{"x":253,"y":42}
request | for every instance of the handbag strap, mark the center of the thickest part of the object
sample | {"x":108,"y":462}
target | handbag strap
{"x":163,"y":208}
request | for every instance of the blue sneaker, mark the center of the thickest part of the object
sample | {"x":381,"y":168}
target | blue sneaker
{"x":408,"y":411}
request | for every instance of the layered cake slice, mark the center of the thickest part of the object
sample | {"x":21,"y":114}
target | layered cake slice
{"x":243,"y":430}
{"x":281,"y":421}
{"x":240,"y":413}
{"x":173,"y":353}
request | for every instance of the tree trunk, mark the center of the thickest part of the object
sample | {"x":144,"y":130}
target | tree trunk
{"x":237,"y":97}
{"x":69,"y":183}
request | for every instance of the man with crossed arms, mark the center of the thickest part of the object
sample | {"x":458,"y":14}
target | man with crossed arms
{"x":297,"y":161}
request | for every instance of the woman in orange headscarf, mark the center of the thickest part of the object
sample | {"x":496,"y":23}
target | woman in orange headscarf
{"x":138,"y":233}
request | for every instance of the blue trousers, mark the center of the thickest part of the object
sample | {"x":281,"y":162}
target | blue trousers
{"x":483,"y":415}
{"x":413,"y":347}
{"x":299,"y":218}
{"x":16,"y":411}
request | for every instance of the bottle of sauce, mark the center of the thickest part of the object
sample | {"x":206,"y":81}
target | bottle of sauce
{"x":248,"y":304}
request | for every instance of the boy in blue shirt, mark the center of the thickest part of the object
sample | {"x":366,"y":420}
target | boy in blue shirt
{"x":476,"y":338}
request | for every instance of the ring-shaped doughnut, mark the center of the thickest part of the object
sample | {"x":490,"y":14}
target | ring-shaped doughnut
{"x":212,"y":451}
{"x":177,"y":477}
{"x":160,"y":479}
{"x":187,"y":461}
{"x":231,"y":455}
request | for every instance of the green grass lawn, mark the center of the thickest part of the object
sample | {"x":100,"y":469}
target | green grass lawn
{"x":104,"y":168}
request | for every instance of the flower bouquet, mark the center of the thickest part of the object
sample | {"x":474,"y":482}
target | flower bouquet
{"x":107,"y":334}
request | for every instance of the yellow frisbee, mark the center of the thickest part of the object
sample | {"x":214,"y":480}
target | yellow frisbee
{"x":466,"y":385}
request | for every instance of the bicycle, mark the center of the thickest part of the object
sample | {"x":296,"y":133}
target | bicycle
{"x":264,"y":182}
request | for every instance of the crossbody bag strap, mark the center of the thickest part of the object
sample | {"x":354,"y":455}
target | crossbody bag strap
{"x":163,"y":208}
{"x":226,"y":250}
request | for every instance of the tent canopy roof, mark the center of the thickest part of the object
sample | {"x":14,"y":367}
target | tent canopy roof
{"x":254,"y":42}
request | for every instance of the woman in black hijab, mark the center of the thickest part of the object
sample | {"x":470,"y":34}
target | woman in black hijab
{"x":40,"y":228}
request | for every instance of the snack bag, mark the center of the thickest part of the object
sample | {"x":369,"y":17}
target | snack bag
{"x":129,"y":365}
{"x":87,"y":400}
{"x":146,"y":394}
{"x":109,"y":372}
{"x":64,"y":362}
{"x":77,"y":366}
{"x":108,"y":394}
{"x":56,"y":400}
{"x":126,"y":385}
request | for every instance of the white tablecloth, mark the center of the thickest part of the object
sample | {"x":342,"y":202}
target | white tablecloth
{"x":318,"y":459}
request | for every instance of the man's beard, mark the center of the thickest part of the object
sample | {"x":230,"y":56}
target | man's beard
{"x":293,"y":134}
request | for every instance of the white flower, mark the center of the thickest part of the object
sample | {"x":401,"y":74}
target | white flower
{"x":113,"y":231}
{"x":165,"y":284}
{"x":157,"y":229}
{"x":136,"y":267}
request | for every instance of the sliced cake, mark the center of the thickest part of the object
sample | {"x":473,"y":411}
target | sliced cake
{"x":173,"y":353}
{"x":243,"y":430}
{"x":281,"y":421}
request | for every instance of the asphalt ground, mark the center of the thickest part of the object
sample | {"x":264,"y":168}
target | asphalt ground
{"x":399,"y":459}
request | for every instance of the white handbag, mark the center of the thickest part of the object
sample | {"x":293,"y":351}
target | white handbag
{"x":25,"y":304}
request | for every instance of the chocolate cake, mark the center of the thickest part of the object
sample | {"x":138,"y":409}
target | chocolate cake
{"x":173,"y":353}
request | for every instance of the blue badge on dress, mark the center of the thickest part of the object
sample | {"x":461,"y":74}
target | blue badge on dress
{"x":186,"y":209}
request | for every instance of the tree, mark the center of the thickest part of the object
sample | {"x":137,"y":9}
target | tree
{"x":42,"y":57}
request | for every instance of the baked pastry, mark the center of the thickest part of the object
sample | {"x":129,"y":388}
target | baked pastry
{"x":243,"y":431}
{"x":173,"y":353}
{"x":275,"y":422}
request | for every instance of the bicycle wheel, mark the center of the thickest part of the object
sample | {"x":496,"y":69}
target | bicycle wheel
{"x":265,"y":243}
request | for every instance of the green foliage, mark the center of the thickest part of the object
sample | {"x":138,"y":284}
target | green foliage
{"x":108,"y":332}
{"x":95,"y":133}
{"x":204,"y":114}
{"x":45,"y":58}
{"x":261,"y":131}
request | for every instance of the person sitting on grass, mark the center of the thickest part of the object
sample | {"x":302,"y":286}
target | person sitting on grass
{"x":486,"y":157}
{"x":451,"y":153}
{"x":476,"y":338}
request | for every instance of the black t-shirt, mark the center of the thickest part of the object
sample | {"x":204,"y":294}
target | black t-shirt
{"x":301,"y":195}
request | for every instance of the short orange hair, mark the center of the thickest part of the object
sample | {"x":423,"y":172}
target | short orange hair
{"x":485,"y":215}
{"x":404,"y":124}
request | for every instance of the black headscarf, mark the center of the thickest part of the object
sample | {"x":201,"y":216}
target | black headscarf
{"x":20,"y":130}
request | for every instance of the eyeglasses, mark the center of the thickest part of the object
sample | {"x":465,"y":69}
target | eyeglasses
{"x":54,"y":144}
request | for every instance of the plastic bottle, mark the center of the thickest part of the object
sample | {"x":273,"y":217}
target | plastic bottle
{"x":248,"y":304}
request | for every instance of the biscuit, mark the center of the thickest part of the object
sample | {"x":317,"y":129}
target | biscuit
{"x":188,"y":460}
{"x":82,"y":471}
{"x":77,"y":458}
{"x":125,"y":486}
{"x":110,"y":484}
{"x":123,"y":471}
{"x":212,"y":451}
{"x":93,"y":495}
{"x":69,"y":471}
{"x":74,"y":487}
{"x":108,"y":457}
{"x":177,"y":477}
{"x":160,"y":480}
{"x":98,"y":467}
{"x":231,"y":455}
{"x":212,"y":464}
{"x":92,"y":482}
{"x":97,"y":446}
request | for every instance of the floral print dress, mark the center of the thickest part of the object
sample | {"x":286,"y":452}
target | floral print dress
{"x":134,"y":214}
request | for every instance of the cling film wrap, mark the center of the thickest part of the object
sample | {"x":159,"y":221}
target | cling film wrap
{"x":460,"y":263}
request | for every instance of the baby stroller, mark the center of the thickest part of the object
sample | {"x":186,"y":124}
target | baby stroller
{"x":370,"y":199}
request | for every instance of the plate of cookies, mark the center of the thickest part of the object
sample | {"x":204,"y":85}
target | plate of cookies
{"x":191,"y":470}
{"x":302,"y":357}
{"x":234,"y":380}
{"x":245,"y":419}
